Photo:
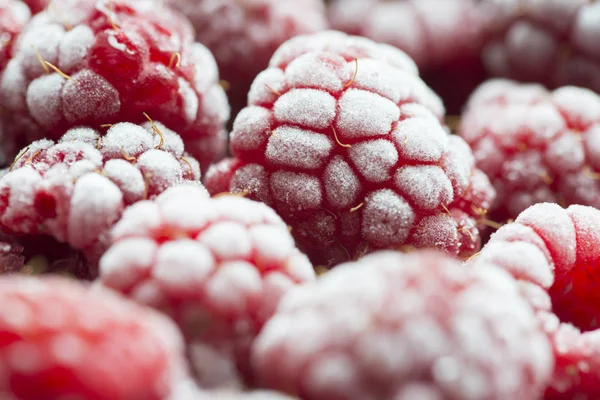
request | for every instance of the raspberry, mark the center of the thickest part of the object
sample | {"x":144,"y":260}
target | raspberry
{"x":392,"y":326}
{"x":189,"y":391}
{"x":112,"y":61}
{"x":73,"y":191}
{"x":443,"y":37}
{"x":551,"y":42}
{"x":244,"y":35}
{"x":60,"y":339}
{"x":340,"y":139}
{"x":218,"y":267}
{"x":13,"y":16}
{"x":556,"y":251}
{"x":535,"y":146}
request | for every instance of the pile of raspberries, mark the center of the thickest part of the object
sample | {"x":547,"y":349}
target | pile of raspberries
{"x":299,"y":200}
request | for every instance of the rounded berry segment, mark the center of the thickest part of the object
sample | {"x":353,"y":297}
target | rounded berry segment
{"x":218,"y":267}
{"x":60,"y":339}
{"x":243,"y":35}
{"x":535,"y":145}
{"x":13,"y":17}
{"x":113,"y":61}
{"x":392,"y":326}
{"x":343,"y":140}
{"x":75,"y":190}
{"x":553,"y":42}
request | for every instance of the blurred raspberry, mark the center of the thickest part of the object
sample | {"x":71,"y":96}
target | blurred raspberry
{"x":218,"y":267}
{"x":243,"y":35}
{"x":344,"y":141}
{"x":96,"y":63}
{"x":37,"y":5}
{"x":536,"y":146}
{"x":443,"y":37}
{"x":60,"y":339}
{"x":13,"y":16}
{"x":393,"y":326}
{"x":72,"y":192}
{"x":550,"y":42}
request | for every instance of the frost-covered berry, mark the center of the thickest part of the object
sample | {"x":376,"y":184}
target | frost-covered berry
{"x":13,"y":16}
{"x":551,"y":42}
{"x":60,"y":339}
{"x":37,"y":6}
{"x":218,"y":267}
{"x":243,"y":35}
{"x":75,"y":190}
{"x":443,"y":37}
{"x":343,"y":139}
{"x":188,"y":390}
{"x":394,"y":326}
{"x":554,"y":251}
{"x":95,"y":63}
{"x":536,"y":146}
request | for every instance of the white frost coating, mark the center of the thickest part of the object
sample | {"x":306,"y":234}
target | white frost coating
{"x":363,"y":114}
{"x":254,"y":179}
{"x":74,"y":47}
{"x":95,"y":205}
{"x":140,"y":219}
{"x":81,"y":134}
{"x":273,"y":244}
{"x":523,"y":260}
{"x":127,"y":261}
{"x":565,"y":154}
{"x":458,"y":163}
{"x":420,"y":139}
{"x":207,"y":70}
{"x":44,"y":99}
{"x":308,"y":108}
{"x":592,"y":146}
{"x":317,"y":70}
{"x":296,"y":191}
{"x":266,"y":86}
{"x":251,"y":128}
{"x":45,"y":39}
{"x":190,"y":100}
{"x":436,"y":231}
{"x":426,"y":185}
{"x":227,"y":240}
{"x":132,"y":138}
{"x":172,"y":142}
{"x":341,"y":184}
{"x":14,"y":86}
{"x":161,"y":169}
{"x":581,"y":105}
{"x":586,"y":220}
{"x":87,"y":95}
{"x":185,"y":213}
{"x":374,"y":159}
{"x":127,"y":177}
{"x":300,"y":148}
{"x":238,"y":277}
{"x":191,"y":192}
{"x":387,"y":219}
{"x":182,"y":265}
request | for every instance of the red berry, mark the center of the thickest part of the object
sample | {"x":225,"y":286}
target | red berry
{"x":75,"y":190}
{"x":218,"y":267}
{"x":112,"y":61}
{"x":37,"y":5}
{"x":551,"y":42}
{"x":60,"y":339}
{"x":13,"y":16}
{"x":189,"y":391}
{"x":556,"y":251}
{"x":535,"y":146}
{"x":244,"y":34}
{"x":391,"y":325}
{"x":340,"y":139}
{"x":443,"y":37}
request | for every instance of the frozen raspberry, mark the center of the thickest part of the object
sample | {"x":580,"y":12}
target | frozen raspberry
{"x":13,"y":16}
{"x":218,"y":267}
{"x":391,"y":325}
{"x":551,"y":42}
{"x":244,"y":34}
{"x":73,"y":191}
{"x":535,"y":146}
{"x":95,"y":63}
{"x":343,"y":140}
{"x":60,"y":339}
{"x":37,"y":5}
{"x":443,"y":37}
